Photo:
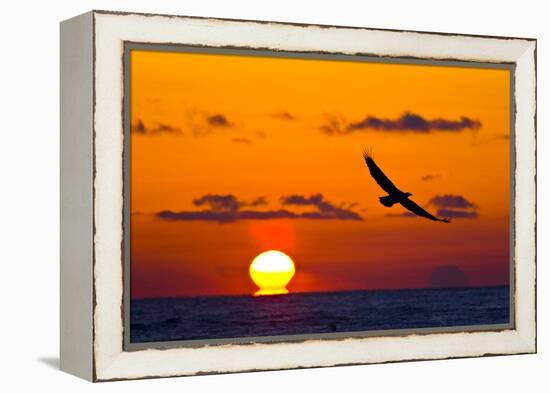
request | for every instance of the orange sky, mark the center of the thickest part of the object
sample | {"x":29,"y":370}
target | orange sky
{"x":266,"y":127}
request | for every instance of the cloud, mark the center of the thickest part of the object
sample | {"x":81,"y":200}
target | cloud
{"x":407,"y":122}
{"x":140,"y":128}
{"x":245,"y":141}
{"x":334,"y":125}
{"x":202,"y":123}
{"x":228,"y":208}
{"x":227,"y":202}
{"x":454,"y":206}
{"x":225,"y":217}
{"x":218,"y":120}
{"x":448,"y":206}
{"x":284,"y":116}
{"x":430,"y":177}
{"x":259,"y":201}
{"x":205,"y":215}
{"x":503,"y":137}
{"x":326,"y":209}
{"x":218,"y":202}
{"x":401,"y":215}
{"x":454,"y":213}
{"x":452,"y":201}
{"x":166,"y":128}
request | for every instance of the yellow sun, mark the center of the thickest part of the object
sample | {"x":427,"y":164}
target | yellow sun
{"x":271,"y":271}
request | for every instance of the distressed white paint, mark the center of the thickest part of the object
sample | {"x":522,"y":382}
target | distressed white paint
{"x":112,"y":362}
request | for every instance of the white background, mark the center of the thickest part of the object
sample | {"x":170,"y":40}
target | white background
{"x":29,"y":197}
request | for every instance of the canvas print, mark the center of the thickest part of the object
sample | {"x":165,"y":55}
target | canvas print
{"x":277,"y":196}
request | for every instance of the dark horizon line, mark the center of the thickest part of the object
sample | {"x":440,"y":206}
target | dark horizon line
{"x":321,"y":292}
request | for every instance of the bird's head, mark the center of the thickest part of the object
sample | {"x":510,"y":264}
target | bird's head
{"x":408,"y":194}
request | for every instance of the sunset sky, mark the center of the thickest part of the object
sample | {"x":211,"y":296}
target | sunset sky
{"x":234,"y":155}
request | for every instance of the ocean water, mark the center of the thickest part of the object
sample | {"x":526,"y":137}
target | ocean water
{"x":215,"y":317}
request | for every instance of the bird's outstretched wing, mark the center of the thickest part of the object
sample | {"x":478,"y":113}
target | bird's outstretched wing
{"x":379,"y":176}
{"x":413,"y":207}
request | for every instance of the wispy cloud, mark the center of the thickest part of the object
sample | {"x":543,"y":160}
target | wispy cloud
{"x":408,"y":122}
{"x":245,"y":141}
{"x":429,"y":177}
{"x":503,"y":137}
{"x":228,"y":208}
{"x":284,"y":116}
{"x":202,"y":123}
{"x":218,"y":120}
{"x":334,"y":125}
{"x":140,"y":128}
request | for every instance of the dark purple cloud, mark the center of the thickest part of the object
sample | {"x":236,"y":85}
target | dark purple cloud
{"x":225,"y":216}
{"x":227,"y":208}
{"x":401,"y":215}
{"x":408,"y":122}
{"x":216,"y":202}
{"x":228,"y":202}
{"x":203,"y":215}
{"x":455,"y":213}
{"x":448,"y":206}
{"x":259,"y":201}
{"x":452,"y":201}
{"x":454,"y":206}
{"x":326,"y":208}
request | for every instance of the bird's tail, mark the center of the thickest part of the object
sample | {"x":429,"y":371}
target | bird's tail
{"x":445,"y":220}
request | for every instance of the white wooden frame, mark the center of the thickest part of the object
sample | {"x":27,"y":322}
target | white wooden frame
{"x":92,"y":143}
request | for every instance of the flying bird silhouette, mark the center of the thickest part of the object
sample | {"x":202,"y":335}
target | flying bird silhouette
{"x":395,"y":195}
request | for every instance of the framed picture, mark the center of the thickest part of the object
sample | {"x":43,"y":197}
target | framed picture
{"x":245,"y":195}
